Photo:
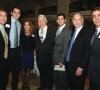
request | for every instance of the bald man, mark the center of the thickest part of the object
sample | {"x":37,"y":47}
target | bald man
{"x":45,"y":39}
{"x":77,"y":56}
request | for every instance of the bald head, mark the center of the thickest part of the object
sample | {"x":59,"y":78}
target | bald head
{"x":77,"y":20}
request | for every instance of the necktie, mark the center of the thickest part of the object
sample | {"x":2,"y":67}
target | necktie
{"x":41,"y":35}
{"x":6,"y":45}
{"x":58,"y":32}
{"x":16,"y":35}
{"x":70,"y":47}
{"x":94,"y":35}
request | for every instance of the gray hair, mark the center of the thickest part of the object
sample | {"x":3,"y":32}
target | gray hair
{"x":42,"y":16}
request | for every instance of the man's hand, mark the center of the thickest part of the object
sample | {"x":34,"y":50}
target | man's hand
{"x":79,"y":71}
{"x":60,"y":64}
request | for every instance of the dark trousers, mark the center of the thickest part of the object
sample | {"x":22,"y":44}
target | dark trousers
{"x":46,"y":76}
{"x":15,"y":58}
{"x":94,"y":86}
{"x":4,"y":72}
{"x":60,"y":79}
{"x":76,"y":82}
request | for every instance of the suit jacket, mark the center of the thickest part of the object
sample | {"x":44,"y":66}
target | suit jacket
{"x":2,"y":48}
{"x":79,"y":55}
{"x":44,"y":50}
{"x":94,"y":66}
{"x":61,"y":45}
{"x":27,"y":43}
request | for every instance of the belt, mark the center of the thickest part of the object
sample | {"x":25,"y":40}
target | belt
{"x":14,"y":48}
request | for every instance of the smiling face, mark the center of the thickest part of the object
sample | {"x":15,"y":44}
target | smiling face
{"x":77,"y":21}
{"x":42,"y":22}
{"x":15,"y":13}
{"x":96,"y":18}
{"x":3,"y":17}
{"x":61,"y":21}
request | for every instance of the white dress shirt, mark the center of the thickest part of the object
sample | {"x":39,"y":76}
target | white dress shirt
{"x":44,"y":32}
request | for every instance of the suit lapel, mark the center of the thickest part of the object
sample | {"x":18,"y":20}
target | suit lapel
{"x":79,"y":36}
{"x":59,"y":36}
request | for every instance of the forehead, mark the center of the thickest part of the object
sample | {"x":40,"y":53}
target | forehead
{"x":61,"y":17}
{"x":96,"y":12}
{"x":77,"y":16}
{"x":3,"y":13}
{"x":16,"y":10}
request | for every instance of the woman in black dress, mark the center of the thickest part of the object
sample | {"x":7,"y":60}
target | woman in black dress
{"x":28,"y":46}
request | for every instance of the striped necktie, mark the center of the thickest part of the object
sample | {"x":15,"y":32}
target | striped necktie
{"x":41,"y":35}
{"x":70,"y":47}
{"x":16,"y":35}
{"x":58,"y":32}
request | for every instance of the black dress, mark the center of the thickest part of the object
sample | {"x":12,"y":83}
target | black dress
{"x":28,"y":46}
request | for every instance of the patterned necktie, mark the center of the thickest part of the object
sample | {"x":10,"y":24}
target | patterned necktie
{"x":58,"y":32}
{"x":16,"y":35}
{"x":6,"y":45}
{"x":94,"y":35}
{"x":41,"y":35}
{"x":70,"y":47}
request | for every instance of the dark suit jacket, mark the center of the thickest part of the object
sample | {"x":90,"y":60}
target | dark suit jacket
{"x":27,"y":43}
{"x":44,"y":50}
{"x":2,"y":48}
{"x":79,"y":55}
{"x":94,"y":66}
{"x":61,"y":45}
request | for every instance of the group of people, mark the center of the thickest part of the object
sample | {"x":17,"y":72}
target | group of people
{"x":63,"y":56}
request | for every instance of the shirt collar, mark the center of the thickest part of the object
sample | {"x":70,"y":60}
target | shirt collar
{"x":1,"y":27}
{"x":98,"y":29}
{"x":62,"y":27}
{"x":78,"y":29}
{"x":13,"y":19}
{"x":45,"y":27}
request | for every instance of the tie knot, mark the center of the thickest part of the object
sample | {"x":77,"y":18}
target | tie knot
{"x":95,"y":33}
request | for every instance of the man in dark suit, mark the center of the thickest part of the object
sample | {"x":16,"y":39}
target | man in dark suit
{"x":13,"y":29}
{"x":45,"y":38}
{"x":3,"y":51}
{"x":94,"y":65}
{"x":78,"y":54}
{"x":62,"y":38}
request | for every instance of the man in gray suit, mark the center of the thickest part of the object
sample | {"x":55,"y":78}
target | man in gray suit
{"x":61,"y":43}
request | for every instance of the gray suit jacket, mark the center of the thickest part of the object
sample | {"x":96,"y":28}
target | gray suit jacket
{"x":61,"y":45}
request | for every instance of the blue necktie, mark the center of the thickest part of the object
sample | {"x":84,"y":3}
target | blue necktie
{"x":70,"y":47}
{"x":16,"y":35}
{"x":41,"y":35}
{"x":94,"y":35}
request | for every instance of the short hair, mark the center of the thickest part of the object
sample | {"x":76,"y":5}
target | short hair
{"x":3,"y":10}
{"x":79,"y":14}
{"x":96,"y":8}
{"x":61,"y":14}
{"x":30,"y":24}
{"x":16,"y":8}
{"x":41,"y":15}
